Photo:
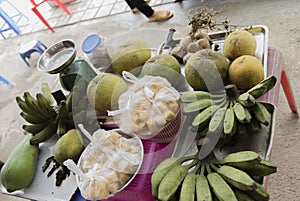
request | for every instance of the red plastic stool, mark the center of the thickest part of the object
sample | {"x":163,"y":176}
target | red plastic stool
{"x":276,"y":67}
{"x":35,"y":10}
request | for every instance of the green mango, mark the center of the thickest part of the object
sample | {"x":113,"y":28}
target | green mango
{"x":69,"y":146}
{"x":20,"y":168}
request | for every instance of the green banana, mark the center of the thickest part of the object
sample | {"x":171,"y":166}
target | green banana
{"x":240,"y":112}
{"x":217,"y":119}
{"x":259,"y":193}
{"x":187,"y":191}
{"x":237,"y":178}
{"x":45,"y":134}
{"x":61,"y":127}
{"x":230,"y":122}
{"x":248,"y":115}
{"x":263,"y":87}
{"x":62,"y":110}
{"x":203,"y":118}
{"x":45,"y":106}
{"x":19,"y":169}
{"x":242,"y":195}
{"x":263,"y":168}
{"x":261,"y":113}
{"x":191,"y":96}
{"x":162,"y":169}
{"x":246,"y":99}
{"x":46,"y":91}
{"x":32,"y":119}
{"x":202,"y":189}
{"x":242,"y":159}
{"x":31,"y":102}
{"x":220,"y":188}
{"x":172,"y":180}
{"x":197,"y":105}
{"x":69,"y":101}
{"x":35,"y":128}
{"x":23,"y":106}
{"x":26,"y":109}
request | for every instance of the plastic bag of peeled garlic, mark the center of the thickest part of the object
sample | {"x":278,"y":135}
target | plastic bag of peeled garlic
{"x":109,"y":163}
{"x":147,"y":106}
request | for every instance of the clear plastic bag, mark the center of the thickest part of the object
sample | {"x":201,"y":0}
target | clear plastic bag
{"x":108,"y":163}
{"x":147,"y":106}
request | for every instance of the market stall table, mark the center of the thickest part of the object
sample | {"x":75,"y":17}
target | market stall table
{"x":276,"y":67}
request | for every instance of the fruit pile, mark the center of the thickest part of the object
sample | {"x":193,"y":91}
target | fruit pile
{"x":230,"y":111}
{"x":225,"y":86}
{"x":233,"y":179}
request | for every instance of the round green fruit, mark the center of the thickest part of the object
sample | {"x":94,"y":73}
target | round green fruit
{"x":130,"y":55}
{"x":206,"y":70}
{"x":104,"y":90}
{"x":164,"y":65}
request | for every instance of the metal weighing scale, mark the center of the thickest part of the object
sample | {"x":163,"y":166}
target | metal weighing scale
{"x":60,"y":58}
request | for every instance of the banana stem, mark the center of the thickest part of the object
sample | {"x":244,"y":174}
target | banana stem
{"x":199,"y":164}
{"x":195,"y":161}
{"x":202,"y":169}
{"x":208,"y":168}
{"x":231,"y":91}
{"x":214,"y":166}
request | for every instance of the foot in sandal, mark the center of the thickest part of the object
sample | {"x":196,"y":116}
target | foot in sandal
{"x":134,"y":10}
{"x":160,"y":16}
{"x":147,"y":1}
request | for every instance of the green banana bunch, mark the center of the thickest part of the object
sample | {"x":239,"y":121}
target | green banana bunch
{"x":210,"y":179}
{"x":162,"y":169}
{"x":172,"y":180}
{"x":44,"y":118}
{"x":238,"y":113}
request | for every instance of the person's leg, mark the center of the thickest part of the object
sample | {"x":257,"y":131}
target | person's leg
{"x":142,"y":6}
{"x":130,"y":4}
{"x":152,"y":15}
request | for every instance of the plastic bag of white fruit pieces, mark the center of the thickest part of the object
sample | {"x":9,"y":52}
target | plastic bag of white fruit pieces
{"x":147,"y":106}
{"x":109,"y":164}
